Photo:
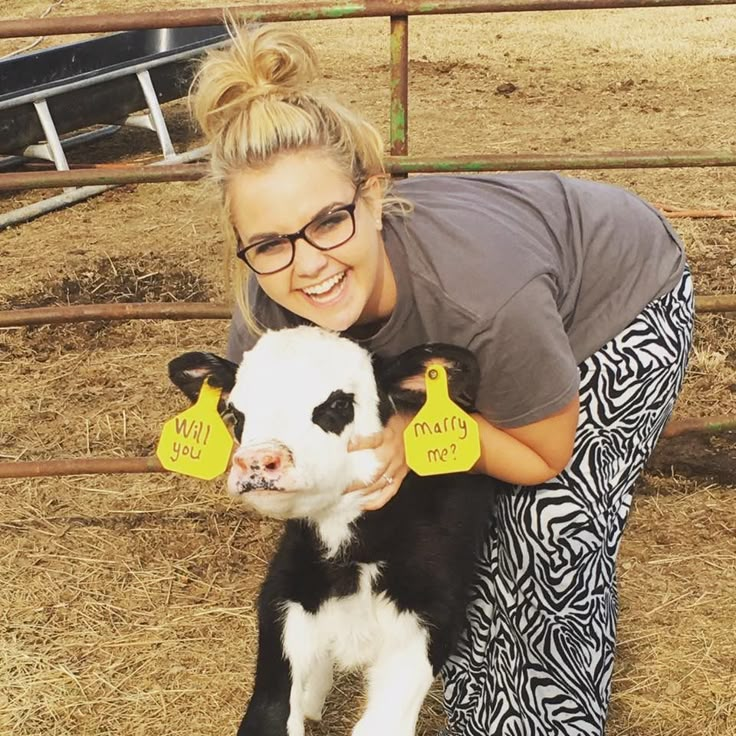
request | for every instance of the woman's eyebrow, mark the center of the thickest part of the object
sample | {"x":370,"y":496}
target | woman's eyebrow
{"x":272,"y":235}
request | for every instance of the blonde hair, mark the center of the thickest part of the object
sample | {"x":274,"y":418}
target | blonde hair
{"x":255,"y":100}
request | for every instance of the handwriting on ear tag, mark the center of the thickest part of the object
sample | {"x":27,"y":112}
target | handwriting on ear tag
{"x":441,"y":438}
{"x":197,"y":442}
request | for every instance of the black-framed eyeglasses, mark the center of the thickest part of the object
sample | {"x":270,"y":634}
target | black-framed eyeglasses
{"x":325,"y":232}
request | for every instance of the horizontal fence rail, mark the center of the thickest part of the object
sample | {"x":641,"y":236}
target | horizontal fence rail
{"x":151,"y":464}
{"x":205,"y":310}
{"x":117,"y":312}
{"x":141,"y":174}
{"x":710,"y":425}
{"x":81,"y":466}
{"x":311,"y":11}
{"x":123,"y":174}
{"x":397,"y":164}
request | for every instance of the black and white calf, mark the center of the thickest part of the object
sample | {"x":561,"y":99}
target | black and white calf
{"x":384,"y":591}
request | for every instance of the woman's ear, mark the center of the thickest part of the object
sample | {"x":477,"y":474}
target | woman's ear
{"x":373,"y":195}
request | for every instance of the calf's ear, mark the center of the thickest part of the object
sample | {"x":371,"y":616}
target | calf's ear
{"x":189,"y":371}
{"x":403,"y":378}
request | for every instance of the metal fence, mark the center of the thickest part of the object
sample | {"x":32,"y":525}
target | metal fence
{"x":397,"y":163}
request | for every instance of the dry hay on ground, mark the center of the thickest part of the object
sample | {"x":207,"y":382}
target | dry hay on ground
{"x":127,"y":602}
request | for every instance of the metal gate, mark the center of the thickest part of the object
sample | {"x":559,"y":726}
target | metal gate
{"x":398,"y":163}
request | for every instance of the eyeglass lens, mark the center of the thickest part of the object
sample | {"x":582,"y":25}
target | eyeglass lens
{"x":329,"y":231}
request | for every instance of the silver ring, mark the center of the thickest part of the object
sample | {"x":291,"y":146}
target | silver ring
{"x":389,"y":480}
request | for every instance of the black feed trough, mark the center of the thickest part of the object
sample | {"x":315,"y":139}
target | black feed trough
{"x":95,"y":81}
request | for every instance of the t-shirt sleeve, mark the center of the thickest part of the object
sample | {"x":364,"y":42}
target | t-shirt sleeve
{"x":527,"y":368}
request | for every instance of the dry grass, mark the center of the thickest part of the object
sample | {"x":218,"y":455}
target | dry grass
{"x":127,"y":602}
{"x":676,"y":635}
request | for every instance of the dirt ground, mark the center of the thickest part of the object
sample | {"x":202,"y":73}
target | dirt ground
{"x":127,"y":601}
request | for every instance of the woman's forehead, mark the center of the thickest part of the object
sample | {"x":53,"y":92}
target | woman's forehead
{"x":287,"y":193}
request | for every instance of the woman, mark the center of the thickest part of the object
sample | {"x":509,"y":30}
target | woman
{"x":573,"y":295}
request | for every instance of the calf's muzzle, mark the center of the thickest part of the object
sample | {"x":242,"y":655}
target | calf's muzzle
{"x":260,"y":467}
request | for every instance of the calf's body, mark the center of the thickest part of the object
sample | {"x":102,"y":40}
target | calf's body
{"x":382,"y":591}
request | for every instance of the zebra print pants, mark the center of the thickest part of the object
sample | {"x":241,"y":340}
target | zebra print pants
{"x":537,"y":653}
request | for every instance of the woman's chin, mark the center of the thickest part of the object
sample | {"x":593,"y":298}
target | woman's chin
{"x":335,"y":322}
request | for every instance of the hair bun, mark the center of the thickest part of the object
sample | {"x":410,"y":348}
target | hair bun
{"x":264,"y":62}
{"x":282,"y":60}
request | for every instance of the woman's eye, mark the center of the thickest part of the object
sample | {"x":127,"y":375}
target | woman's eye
{"x":270,"y":247}
{"x":332,"y":221}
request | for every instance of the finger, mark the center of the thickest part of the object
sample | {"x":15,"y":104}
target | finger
{"x":374,"y":485}
{"x":358,"y":486}
{"x":381,"y":480}
{"x":369,"y":442}
{"x":387,"y":490}
{"x":386,"y":494}
{"x":377,"y":485}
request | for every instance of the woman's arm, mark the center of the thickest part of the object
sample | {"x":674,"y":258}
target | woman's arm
{"x":524,"y":455}
{"x":530,"y":454}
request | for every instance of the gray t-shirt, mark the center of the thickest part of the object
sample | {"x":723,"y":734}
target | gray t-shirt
{"x":532,"y":272}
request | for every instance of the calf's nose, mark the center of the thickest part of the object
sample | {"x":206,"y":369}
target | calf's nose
{"x":266,"y":461}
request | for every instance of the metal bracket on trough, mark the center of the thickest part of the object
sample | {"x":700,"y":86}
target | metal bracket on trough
{"x":104,"y":81}
{"x":154,"y":119}
{"x":41,"y":151}
{"x":78,"y":194}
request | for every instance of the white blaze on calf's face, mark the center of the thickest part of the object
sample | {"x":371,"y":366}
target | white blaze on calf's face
{"x":294,"y":389}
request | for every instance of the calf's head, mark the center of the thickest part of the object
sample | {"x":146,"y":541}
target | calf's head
{"x":296,"y":400}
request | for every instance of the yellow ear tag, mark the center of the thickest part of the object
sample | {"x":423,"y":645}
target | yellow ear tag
{"x":197,"y":442}
{"x":441,"y":438}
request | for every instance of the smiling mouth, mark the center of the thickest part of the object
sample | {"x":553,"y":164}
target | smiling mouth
{"x":327,"y":289}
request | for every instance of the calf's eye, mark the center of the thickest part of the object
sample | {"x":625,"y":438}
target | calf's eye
{"x":334,"y":414}
{"x":342,"y":404}
{"x":235,"y":420}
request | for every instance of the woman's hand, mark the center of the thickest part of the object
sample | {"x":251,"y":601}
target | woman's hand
{"x":389,"y":448}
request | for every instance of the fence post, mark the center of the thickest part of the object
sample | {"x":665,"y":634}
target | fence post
{"x":399,"y":116}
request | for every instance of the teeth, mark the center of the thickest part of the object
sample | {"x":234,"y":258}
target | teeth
{"x":325,"y":286}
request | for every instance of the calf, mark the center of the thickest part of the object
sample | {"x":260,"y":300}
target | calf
{"x":384,"y":591}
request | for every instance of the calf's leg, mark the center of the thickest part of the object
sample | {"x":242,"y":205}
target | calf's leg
{"x":311,"y":667}
{"x":268,"y":710}
{"x":317,"y":688}
{"x":398,"y":682}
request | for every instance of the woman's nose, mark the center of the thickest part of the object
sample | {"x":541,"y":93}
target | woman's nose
{"x":308,"y":260}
